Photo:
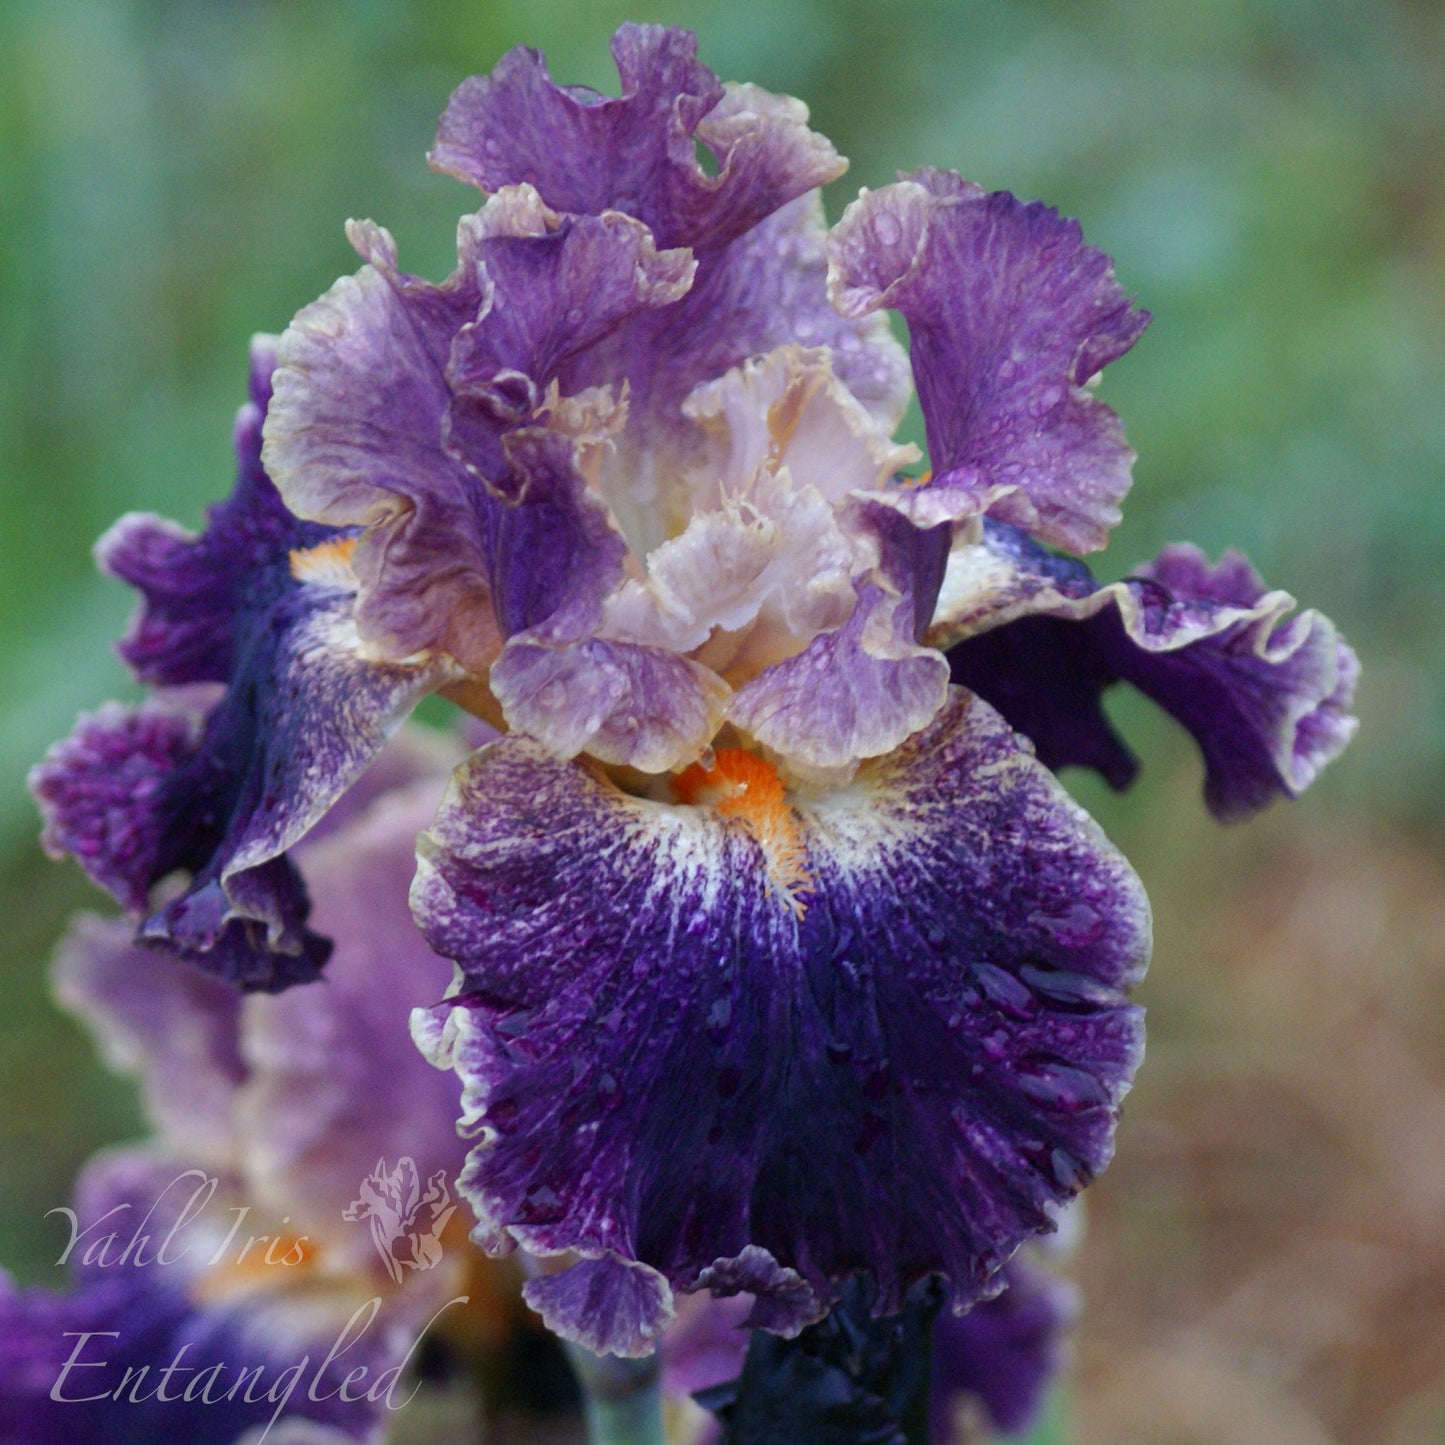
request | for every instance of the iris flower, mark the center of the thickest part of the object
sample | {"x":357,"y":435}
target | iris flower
{"x":294,"y":1201}
{"x":782,"y":957}
{"x":213,"y":1272}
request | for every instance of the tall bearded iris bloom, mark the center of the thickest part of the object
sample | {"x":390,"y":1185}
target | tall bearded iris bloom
{"x":782,"y":958}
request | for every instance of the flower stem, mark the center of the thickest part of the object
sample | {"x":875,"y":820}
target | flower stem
{"x":622,"y":1398}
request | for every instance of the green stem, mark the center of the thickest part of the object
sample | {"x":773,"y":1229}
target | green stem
{"x":622,"y":1398}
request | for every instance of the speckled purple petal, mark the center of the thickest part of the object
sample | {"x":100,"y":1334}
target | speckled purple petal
{"x":853,"y":693}
{"x":569,"y":286}
{"x":608,"y":1305}
{"x":100,"y":793}
{"x":1266,"y":695}
{"x":781,"y":1299}
{"x":766,"y":290}
{"x":338,"y":456}
{"x":136,"y":794}
{"x":552,"y":550}
{"x":662,"y":1060}
{"x":430,"y":473}
{"x":1009,"y":316}
{"x":220,"y":785}
{"x":555,"y":287}
{"x":588,"y":153}
{"x":1006,"y":1352}
{"x":623,"y":703}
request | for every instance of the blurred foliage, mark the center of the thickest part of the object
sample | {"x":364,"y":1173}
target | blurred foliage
{"x":1268,"y":175}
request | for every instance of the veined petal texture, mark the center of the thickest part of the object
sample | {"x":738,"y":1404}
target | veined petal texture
{"x":883,"y":1032}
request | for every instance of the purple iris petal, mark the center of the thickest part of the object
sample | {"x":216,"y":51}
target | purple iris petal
{"x":664,"y":1063}
{"x":100,"y":789}
{"x":767,"y":289}
{"x":588,"y":153}
{"x":262,"y":603}
{"x":1005,"y":1352}
{"x":1009,"y":316}
{"x":621,"y":702}
{"x":220,"y":1246}
{"x":301,"y":1092}
{"x":459,"y":366}
{"x":1266,"y":695}
{"x":570,"y":300}
{"x":856,"y":692}
{"x":605,"y":1304}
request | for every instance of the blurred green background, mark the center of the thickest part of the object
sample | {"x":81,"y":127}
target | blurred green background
{"x":1269,"y":176}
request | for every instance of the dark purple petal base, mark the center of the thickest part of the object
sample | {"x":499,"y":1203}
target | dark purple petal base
{"x":1266,"y":695}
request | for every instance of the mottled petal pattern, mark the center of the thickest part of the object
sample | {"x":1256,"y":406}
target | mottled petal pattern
{"x":375,"y":335}
{"x":430,"y":474}
{"x":853,"y":693}
{"x":625,"y":703}
{"x":588,"y":153}
{"x":1266,"y":695}
{"x":766,"y":290}
{"x":138,"y":794}
{"x":99,"y":793}
{"x":900,"y":1080}
{"x":608,"y":1305}
{"x":221,"y":785}
{"x":1010,"y":315}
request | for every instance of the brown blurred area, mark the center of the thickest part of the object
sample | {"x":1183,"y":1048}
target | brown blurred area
{"x":1265,"y":1261}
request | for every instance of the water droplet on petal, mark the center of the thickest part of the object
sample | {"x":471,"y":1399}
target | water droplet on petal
{"x":1072,"y":1173}
{"x":718,"y":1019}
{"x":1006,"y":993}
{"x":1060,"y":1086}
{"x":540,"y":1205}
